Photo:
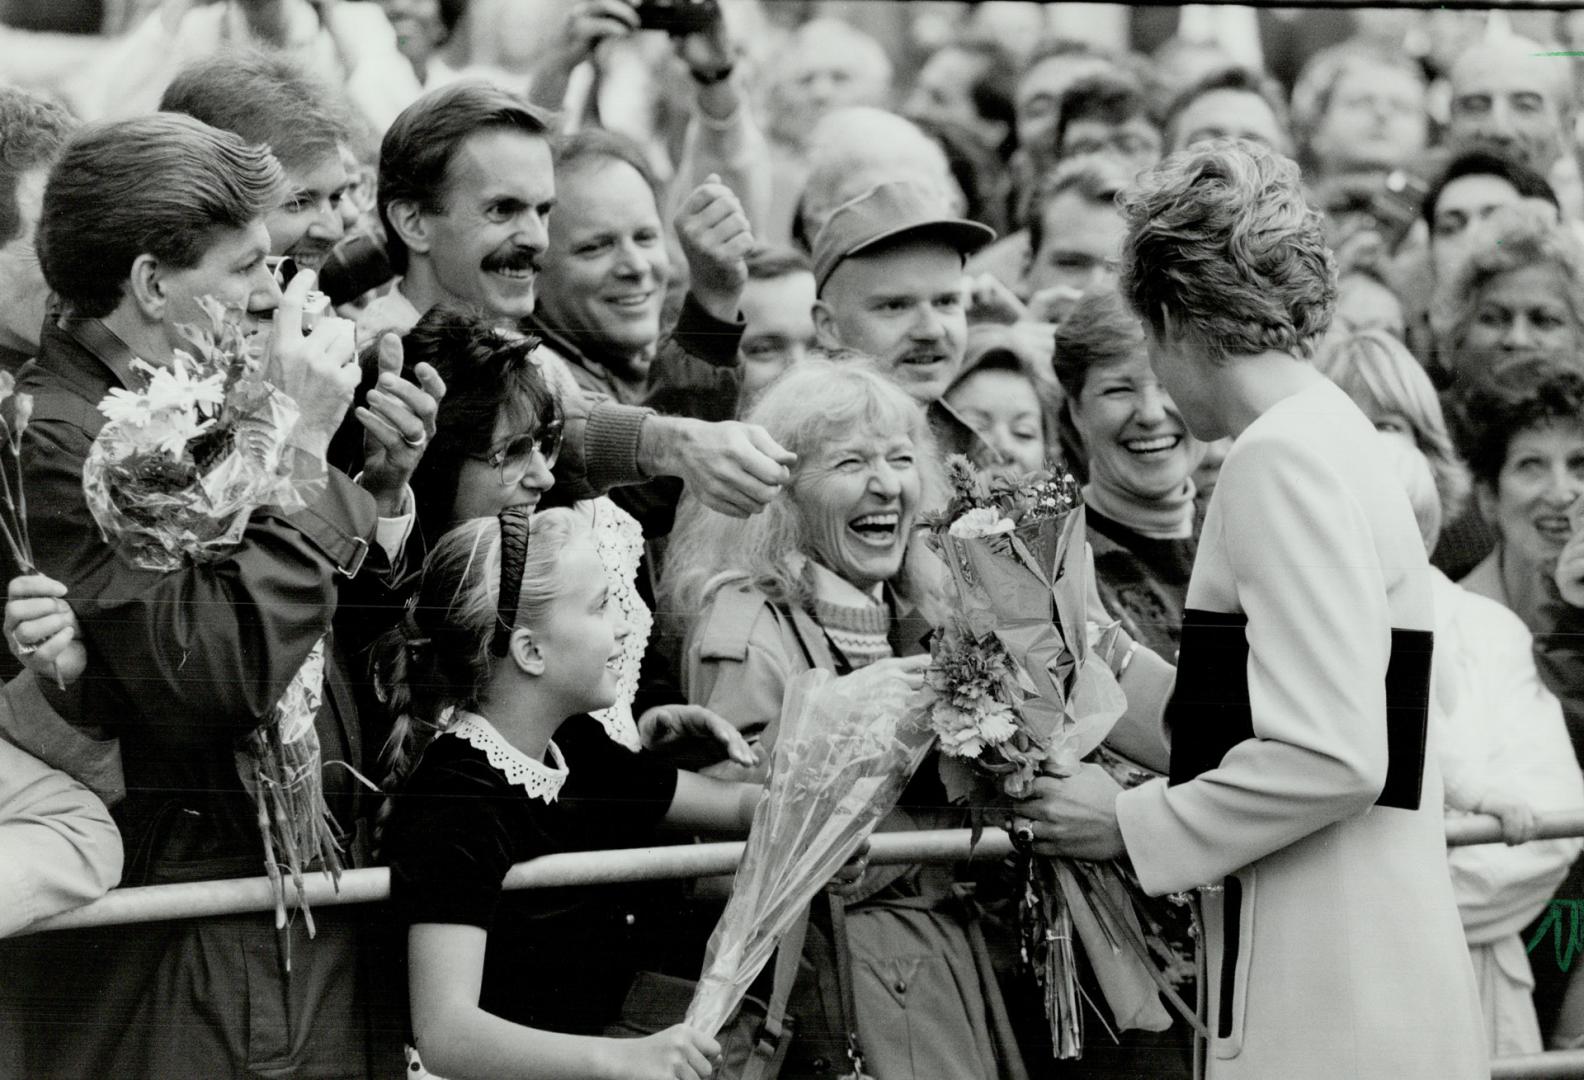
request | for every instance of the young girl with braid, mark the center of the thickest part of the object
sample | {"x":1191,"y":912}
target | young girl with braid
{"x":511,"y":636}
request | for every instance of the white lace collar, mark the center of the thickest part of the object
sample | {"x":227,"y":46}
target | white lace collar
{"x":539,"y":780}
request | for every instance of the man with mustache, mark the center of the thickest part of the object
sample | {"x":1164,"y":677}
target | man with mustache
{"x":888,"y":274}
{"x":466,"y":186}
{"x":270,"y":101}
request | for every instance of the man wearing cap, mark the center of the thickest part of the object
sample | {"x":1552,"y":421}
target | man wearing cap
{"x":888,"y":276}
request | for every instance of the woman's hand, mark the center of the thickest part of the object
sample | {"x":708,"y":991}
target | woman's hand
{"x":851,"y":874}
{"x":677,"y":1053}
{"x":1519,"y":823}
{"x":1073,"y":816}
{"x":908,"y":669}
{"x":666,"y":724}
{"x":41,"y":629}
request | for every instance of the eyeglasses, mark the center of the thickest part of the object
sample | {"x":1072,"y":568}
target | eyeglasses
{"x":515,"y":457}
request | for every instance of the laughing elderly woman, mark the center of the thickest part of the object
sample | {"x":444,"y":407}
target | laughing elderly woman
{"x":830,"y":575}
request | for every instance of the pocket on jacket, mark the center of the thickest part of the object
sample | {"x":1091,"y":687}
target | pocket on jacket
{"x":1232,"y":924}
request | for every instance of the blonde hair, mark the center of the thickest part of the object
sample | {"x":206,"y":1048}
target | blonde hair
{"x":812,"y":403}
{"x":1379,"y":373}
{"x":438,"y":660}
{"x":1413,"y":471}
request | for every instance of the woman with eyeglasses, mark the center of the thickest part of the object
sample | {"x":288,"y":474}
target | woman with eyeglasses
{"x":497,"y":436}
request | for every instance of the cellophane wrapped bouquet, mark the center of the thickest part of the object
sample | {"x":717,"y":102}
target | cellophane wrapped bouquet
{"x":846,"y":749}
{"x":1018,"y":692}
{"x":179,"y":467}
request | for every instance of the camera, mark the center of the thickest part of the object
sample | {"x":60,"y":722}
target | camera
{"x":678,"y":18}
{"x":315,"y":305}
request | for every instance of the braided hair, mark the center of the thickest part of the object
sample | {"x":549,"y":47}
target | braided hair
{"x":440,"y":658}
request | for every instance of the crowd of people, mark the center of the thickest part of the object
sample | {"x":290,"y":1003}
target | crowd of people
{"x":652,"y":327}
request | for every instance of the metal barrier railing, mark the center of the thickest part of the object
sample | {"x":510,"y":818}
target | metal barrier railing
{"x":234,"y":896}
{"x":158,"y":903}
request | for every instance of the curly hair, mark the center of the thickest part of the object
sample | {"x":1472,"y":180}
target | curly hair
{"x":1514,"y":237}
{"x":1381,"y":376}
{"x":1224,"y":251}
{"x":488,"y":369}
{"x":832,"y":392}
{"x":1525,"y":395}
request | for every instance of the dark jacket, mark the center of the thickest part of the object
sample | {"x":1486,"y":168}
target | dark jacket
{"x":181,"y":665}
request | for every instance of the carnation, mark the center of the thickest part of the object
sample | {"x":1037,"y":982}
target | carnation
{"x":980,"y":522}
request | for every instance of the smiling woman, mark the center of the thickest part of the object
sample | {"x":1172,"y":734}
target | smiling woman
{"x":828,"y":576}
{"x":1526,"y":450}
{"x":1129,"y":440}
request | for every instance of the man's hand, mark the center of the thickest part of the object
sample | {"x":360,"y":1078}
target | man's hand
{"x":716,"y":238}
{"x":41,"y":629}
{"x":1570,"y":566}
{"x":707,"y":51}
{"x":317,"y":371}
{"x":732,"y":467}
{"x":398,"y":422}
{"x":1073,"y":816}
{"x":589,"y":23}
{"x":666,"y":724}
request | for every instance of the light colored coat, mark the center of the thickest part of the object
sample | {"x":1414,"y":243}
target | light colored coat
{"x":1503,"y":736}
{"x":1334,"y":947}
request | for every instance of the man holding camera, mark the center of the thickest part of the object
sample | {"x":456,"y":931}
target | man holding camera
{"x":183,"y":663}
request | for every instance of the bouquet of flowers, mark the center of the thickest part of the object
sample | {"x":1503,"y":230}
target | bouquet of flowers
{"x":846,"y":749}
{"x":1018,"y":693}
{"x":171,"y":481}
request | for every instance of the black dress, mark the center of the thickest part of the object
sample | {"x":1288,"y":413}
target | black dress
{"x":557,"y":959}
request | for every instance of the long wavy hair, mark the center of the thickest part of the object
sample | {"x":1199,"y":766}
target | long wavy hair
{"x":825,"y":396}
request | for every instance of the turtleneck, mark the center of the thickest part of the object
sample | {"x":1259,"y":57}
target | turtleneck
{"x":1170,"y":517}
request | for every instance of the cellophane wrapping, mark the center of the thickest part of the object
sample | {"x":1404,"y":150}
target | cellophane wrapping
{"x":846,"y":749}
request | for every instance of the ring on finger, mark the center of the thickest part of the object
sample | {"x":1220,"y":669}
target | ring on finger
{"x":1023,"y":833}
{"x":23,"y":648}
{"x":416,"y":444}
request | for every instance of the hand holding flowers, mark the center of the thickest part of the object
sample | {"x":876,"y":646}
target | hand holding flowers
{"x":1073,"y":816}
{"x":41,"y":629}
